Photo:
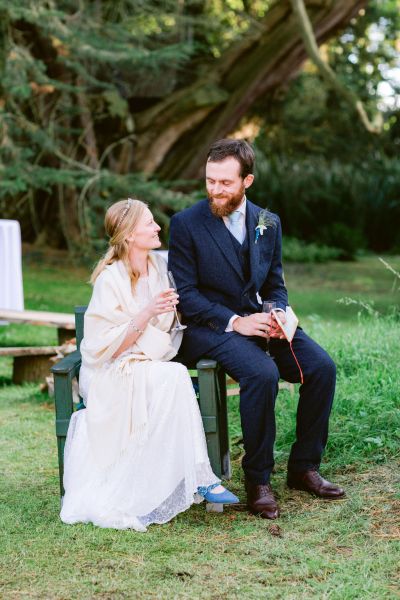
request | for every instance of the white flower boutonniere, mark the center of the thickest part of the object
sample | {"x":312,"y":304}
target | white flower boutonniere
{"x":264,"y":221}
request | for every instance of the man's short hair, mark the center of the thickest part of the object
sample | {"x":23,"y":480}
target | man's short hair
{"x":239,"y":149}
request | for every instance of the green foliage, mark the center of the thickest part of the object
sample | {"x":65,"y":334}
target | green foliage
{"x":342,"y":205}
{"x":75,"y":82}
{"x":330,"y":180}
{"x":295,"y":250}
{"x":78,"y":78}
{"x":66,"y":123}
{"x":309,"y":120}
{"x":111,"y":186}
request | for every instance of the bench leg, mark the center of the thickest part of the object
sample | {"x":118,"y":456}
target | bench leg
{"x":31,"y":368}
{"x":64,"y":335}
{"x":213,"y":408}
{"x":223,"y":424}
{"x":64,"y":409}
{"x":214,"y":507}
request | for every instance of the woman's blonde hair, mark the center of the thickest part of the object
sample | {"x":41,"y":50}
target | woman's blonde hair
{"x":120,"y":220}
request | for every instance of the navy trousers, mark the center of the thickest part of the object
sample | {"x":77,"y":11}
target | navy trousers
{"x":245,"y":360}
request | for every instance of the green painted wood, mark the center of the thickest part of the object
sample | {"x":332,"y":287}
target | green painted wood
{"x":70,"y":363}
{"x":64,"y":409}
{"x":62,"y":427}
{"x":210,"y":424}
{"x":212,"y":401}
{"x":79,"y":317}
{"x":223,"y":426}
{"x":64,"y":372}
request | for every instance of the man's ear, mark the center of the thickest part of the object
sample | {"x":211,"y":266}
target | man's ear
{"x":248,"y":180}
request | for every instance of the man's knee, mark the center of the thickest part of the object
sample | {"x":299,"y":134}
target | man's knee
{"x":324,"y":367}
{"x":261,"y":374}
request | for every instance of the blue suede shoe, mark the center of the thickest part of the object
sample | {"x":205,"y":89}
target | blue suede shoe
{"x":225,"y":497}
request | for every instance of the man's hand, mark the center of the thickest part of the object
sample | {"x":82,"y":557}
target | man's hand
{"x":276,"y":331}
{"x":260,"y":324}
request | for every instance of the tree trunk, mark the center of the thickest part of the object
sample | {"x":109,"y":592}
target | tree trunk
{"x":175,"y":134}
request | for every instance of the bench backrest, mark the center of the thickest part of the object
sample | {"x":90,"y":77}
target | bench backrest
{"x":79,"y":314}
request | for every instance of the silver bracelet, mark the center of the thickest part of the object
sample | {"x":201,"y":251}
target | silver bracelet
{"x":133,"y":326}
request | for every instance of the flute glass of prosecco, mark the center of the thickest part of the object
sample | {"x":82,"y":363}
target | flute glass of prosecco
{"x":178,"y":326}
{"x":267,"y":307}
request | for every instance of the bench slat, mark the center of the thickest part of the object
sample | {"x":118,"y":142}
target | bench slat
{"x":235,"y":391}
{"x":29,"y":351}
{"x":37,"y":317}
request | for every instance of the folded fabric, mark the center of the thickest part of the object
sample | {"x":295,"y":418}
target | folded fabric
{"x":117,"y":395}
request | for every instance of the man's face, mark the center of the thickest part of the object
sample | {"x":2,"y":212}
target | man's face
{"x":225,"y":186}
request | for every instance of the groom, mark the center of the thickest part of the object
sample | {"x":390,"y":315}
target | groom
{"x":223,"y":274}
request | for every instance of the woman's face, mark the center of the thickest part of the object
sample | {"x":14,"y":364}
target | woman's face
{"x":145,"y":234}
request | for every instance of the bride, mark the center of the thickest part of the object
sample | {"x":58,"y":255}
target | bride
{"x":137,"y":455}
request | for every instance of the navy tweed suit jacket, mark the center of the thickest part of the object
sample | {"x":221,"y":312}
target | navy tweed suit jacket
{"x":209,"y":277}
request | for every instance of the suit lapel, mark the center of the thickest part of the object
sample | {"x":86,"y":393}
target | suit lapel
{"x":254,"y":249}
{"x":221,"y":236}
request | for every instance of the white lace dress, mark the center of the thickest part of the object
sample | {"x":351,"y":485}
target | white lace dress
{"x":150,"y":482}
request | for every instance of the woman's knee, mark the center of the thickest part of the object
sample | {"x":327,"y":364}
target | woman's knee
{"x":176,"y":368}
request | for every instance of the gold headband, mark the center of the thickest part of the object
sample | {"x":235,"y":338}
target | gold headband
{"x":129,"y":203}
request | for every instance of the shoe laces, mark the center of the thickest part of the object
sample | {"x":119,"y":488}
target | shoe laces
{"x":265,"y":489}
{"x":315,"y":476}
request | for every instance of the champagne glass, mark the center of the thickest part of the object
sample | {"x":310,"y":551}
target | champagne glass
{"x":178,"y":326}
{"x":267,"y":307}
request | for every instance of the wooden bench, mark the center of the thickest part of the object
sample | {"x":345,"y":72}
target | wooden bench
{"x":31,"y":363}
{"x":64,"y":322}
{"x":209,"y":381}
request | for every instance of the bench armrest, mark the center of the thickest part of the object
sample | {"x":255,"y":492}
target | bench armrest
{"x":206,"y":363}
{"x":69,"y":365}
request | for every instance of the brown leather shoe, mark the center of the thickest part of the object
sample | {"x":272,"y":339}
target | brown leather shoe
{"x":261,"y":500}
{"x":312,"y":482}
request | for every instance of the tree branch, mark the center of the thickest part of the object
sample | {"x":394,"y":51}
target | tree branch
{"x":327,"y":73}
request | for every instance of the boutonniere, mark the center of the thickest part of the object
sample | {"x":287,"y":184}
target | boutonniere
{"x":264,"y":221}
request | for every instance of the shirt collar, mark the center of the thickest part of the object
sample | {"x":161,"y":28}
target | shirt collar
{"x":242,"y":207}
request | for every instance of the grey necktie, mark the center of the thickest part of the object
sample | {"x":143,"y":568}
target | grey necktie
{"x":235,"y":226}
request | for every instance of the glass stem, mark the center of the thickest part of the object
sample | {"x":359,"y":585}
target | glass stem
{"x":176,"y":315}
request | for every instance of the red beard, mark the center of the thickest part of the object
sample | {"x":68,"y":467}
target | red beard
{"x":226,"y":209}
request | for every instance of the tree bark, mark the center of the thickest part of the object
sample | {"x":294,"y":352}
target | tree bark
{"x":175,"y":134}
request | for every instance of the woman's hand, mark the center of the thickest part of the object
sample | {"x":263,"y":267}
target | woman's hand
{"x":162,"y":303}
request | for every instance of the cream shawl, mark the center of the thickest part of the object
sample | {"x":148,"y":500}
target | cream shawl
{"x":117,"y":396}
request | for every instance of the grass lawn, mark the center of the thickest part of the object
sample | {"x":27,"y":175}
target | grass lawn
{"x":348,"y":549}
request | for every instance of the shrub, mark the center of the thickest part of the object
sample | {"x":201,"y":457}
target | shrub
{"x":295,"y":250}
{"x":347,"y":206}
